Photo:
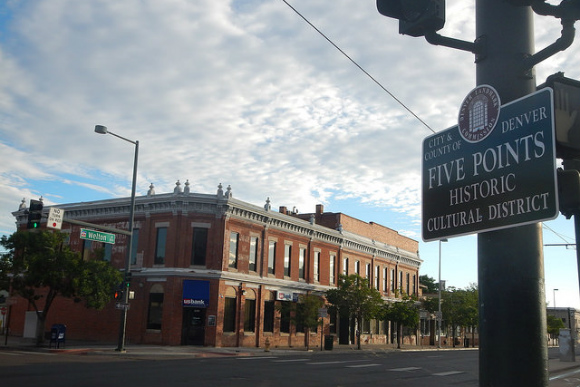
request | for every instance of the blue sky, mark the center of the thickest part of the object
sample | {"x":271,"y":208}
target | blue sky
{"x":246,"y":94}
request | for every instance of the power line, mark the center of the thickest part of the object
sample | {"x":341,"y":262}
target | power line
{"x":360,"y":67}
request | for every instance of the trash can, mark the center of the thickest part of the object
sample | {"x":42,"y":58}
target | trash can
{"x":57,"y":335}
{"x":466,"y":342}
{"x":328,"y":342}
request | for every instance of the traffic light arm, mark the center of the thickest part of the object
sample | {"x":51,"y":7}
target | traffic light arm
{"x":477,"y":47}
{"x":563,"y":42}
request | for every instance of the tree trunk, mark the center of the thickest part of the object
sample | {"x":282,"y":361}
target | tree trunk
{"x":399,"y":334}
{"x":40,"y":323}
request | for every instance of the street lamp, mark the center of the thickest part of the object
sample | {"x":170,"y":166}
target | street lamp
{"x":555,"y":290}
{"x":439,"y":316}
{"x":123,"y":324}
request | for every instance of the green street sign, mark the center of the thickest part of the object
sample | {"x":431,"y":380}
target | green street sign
{"x":97,"y":236}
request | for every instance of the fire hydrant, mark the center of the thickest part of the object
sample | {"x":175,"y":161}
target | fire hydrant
{"x":267,"y":345}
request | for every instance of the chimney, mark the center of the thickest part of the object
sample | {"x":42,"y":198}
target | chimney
{"x":319,"y":209}
{"x":283,"y":210}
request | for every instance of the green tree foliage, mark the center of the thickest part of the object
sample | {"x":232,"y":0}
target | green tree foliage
{"x":430,"y":283}
{"x":460,"y":308}
{"x":42,"y":266}
{"x":303,"y":314}
{"x":355,"y":298}
{"x":404,"y":313}
{"x":554,"y":326}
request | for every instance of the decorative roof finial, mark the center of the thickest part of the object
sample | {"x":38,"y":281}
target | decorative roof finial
{"x":220,"y":192}
{"x":177,"y":189}
{"x":151,"y":191}
{"x":187,"y":189}
{"x":267,"y":206}
{"x":22,"y":205}
{"x":229,"y":192}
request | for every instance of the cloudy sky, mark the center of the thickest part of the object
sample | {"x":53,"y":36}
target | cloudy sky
{"x":243,"y":93}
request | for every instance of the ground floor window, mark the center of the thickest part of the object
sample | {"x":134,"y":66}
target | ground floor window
{"x":155,"y":314}
{"x":269,"y":316}
{"x":229,"y":314}
{"x":249,"y":315}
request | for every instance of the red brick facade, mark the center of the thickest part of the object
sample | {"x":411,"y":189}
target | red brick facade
{"x":239,"y":310}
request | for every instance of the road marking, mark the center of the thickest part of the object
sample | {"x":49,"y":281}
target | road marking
{"x":448,"y":373}
{"x":363,"y":365}
{"x":564,"y":375}
{"x":404,"y":369}
{"x":257,"y":357}
{"x":289,"y":360}
{"x":334,"y":362}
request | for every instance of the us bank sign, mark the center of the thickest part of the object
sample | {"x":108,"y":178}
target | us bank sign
{"x":495,"y":169}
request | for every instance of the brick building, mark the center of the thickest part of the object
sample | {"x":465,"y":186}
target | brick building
{"x":209,"y":269}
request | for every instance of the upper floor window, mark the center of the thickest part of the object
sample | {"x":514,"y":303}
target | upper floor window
{"x":287,"y":255}
{"x":301,"y":260}
{"x":199,"y":246}
{"x":377,"y":277}
{"x":233,"y":257}
{"x":317,"y":266}
{"x":271,"y":257}
{"x":160,"y":246}
{"x":332,"y":268}
{"x":253,"y":253}
{"x":134,"y":244}
{"x":345,"y":266}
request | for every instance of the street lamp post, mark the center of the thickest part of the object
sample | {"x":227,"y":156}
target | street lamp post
{"x":123,"y":323}
{"x":555,"y":290}
{"x":439,"y":316}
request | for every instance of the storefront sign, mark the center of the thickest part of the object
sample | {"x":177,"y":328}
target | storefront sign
{"x":196,"y":293}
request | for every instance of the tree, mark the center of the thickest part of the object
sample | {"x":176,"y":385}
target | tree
{"x":355,"y":298}
{"x":404,"y":313}
{"x":303,"y":314}
{"x":459,"y":308}
{"x":554,"y":326}
{"x":42,"y":267}
{"x":430,"y":283}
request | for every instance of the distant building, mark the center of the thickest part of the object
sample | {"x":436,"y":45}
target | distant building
{"x":210,"y":269}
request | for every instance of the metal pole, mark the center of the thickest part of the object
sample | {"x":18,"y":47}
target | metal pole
{"x":123,"y":323}
{"x":512,"y":323}
{"x":439,"y":316}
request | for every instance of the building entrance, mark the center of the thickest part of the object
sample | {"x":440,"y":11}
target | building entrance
{"x":193,"y":332}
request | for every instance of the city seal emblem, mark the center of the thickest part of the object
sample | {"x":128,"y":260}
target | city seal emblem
{"x":479,"y":113}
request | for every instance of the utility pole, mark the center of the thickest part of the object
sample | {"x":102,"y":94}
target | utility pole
{"x":513,"y":350}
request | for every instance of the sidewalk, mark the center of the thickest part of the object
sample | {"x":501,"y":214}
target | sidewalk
{"x":555,"y":366}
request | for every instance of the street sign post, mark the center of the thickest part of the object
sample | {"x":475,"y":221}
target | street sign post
{"x":498,"y":175}
{"x":55,"y":216}
{"x":97,"y":236}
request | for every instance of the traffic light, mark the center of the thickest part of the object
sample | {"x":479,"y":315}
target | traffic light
{"x":566,"y":114}
{"x":569,"y":192}
{"x":34,"y":214}
{"x":416,"y":17}
{"x":119,"y":295}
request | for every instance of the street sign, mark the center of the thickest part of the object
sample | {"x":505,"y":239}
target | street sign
{"x":497,"y":174}
{"x":97,"y":236}
{"x":55,"y":216}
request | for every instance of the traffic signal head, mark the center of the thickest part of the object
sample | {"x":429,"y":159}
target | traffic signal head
{"x":569,"y":192}
{"x":566,"y":114}
{"x":118,"y":295}
{"x":416,"y":17}
{"x":34,"y":214}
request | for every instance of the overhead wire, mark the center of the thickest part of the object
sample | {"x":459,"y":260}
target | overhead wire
{"x":360,"y":67}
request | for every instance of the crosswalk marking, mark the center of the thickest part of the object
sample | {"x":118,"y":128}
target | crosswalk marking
{"x":363,"y":365}
{"x":405,"y":369}
{"x":448,"y":373}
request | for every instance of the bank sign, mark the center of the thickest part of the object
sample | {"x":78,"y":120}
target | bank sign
{"x":495,"y":169}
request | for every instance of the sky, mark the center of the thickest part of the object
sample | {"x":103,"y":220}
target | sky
{"x":245,"y":93}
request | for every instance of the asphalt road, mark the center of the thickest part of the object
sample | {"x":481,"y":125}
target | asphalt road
{"x":31,"y":369}
{"x":19,"y":368}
